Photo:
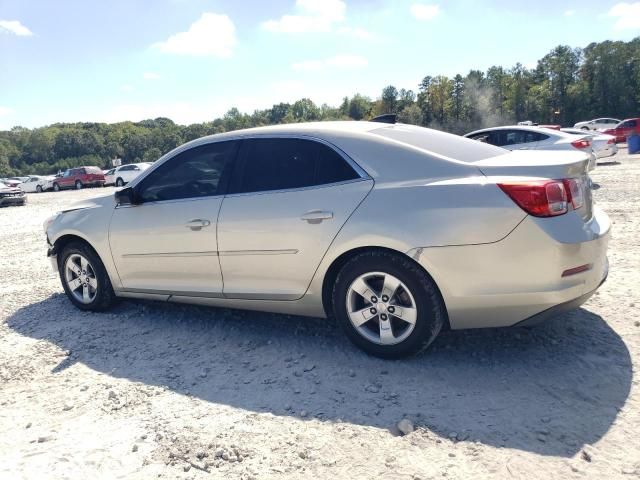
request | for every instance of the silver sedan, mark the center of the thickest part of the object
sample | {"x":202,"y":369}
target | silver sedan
{"x":396,"y":231}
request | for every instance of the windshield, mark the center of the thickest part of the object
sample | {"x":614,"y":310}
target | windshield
{"x":440,"y":143}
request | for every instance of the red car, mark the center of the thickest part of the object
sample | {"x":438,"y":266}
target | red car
{"x":78,"y":178}
{"x":624,"y":129}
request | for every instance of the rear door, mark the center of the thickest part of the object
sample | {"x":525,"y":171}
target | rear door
{"x":287,"y":201}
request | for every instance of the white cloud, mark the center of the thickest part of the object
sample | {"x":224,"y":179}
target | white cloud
{"x":211,"y":35}
{"x":315,"y":16}
{"x":359,"y":33}
{"x":5,"y":111}
{"x":151,"y":76}
{"x":627,"y":14}
{"x":127,"y":88}
{"x":339,"y":61}
{"x":424,"y":12}
{"x":569,"y":13}
{"x":14,"y":27}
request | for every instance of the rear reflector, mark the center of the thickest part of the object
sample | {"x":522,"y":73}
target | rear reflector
{"x":576,"y":270}
{"x":575,"y":192}
{"x":581,"y":143}
{"x":542,"y":198}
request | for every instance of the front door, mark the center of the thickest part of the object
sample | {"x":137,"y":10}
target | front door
{"x":287,"y":202}
{"x":166,"y":242}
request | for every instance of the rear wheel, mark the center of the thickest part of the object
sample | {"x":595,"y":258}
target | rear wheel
{"x":584,"y":128}
{"x":84,"y":278}
{"x":387,"y":305}
{"x":78,"y":184}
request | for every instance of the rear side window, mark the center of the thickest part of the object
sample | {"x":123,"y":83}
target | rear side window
{"x":287,"y":163}
{"x":198,"y":172}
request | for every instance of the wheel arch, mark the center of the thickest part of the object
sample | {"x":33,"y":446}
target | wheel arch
{"x":64,"y":240}
{"x":337,"y":264}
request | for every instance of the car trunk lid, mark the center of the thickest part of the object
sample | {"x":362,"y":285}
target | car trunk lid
{"x":555,"y":165}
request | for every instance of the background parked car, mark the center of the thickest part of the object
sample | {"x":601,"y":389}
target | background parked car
{"x":14,"y":181}
{"x":603,"y":145}
{"x":126,"y":173}
{"x":79,"y":178}
{"x":109,"y":178}
{"x":11,"y":195}
{"x":624,"y":129}
{"x":36,"y":183}
{"x":597,"y":124}
{"x":534,"y":138}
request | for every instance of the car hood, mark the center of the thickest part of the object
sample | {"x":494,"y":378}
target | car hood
{"x":10,"y":190}
{"x":102,"y":201}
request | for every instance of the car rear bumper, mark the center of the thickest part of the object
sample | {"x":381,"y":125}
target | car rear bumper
{"x":503,"y":283}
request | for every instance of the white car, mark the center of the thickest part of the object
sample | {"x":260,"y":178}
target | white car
{"x":123,"y":174}
{"x":36,"y":183}
{"x":603,"y":145}
{"x":597,"y":124}
{"x":519,"y":137}
{"x":109,"y":178}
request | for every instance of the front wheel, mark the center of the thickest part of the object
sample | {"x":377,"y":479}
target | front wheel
{"x":56,"y":187}
{"x":38,"y":188}
{"x":119,"y":182}
{"x":78,"y":184}
{"x":84,"y":278}
{"x":387,"y":305}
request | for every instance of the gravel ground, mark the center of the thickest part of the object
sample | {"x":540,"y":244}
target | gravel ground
{"x":154,"y":390}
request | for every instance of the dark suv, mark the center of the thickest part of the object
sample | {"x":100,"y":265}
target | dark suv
{"x":79,"y":178}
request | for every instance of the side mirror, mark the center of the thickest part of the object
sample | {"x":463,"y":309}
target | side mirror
{"x":126,"y":196}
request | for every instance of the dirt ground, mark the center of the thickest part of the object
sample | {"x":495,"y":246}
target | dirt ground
{"x":152,"y":390}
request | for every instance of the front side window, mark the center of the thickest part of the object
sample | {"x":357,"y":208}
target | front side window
{"x":288,"y":163}
{"x":198,"y":172}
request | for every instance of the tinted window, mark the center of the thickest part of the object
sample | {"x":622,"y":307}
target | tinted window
{"x":514,"y":137}
{"x":198,"y":172}
{"x":285,"y":163}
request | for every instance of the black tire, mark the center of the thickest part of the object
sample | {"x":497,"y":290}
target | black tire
{"x":56,"y":187}
{"x":584,"y":128}
{"x":78,"y":185}
{"x":104,"y":293}
{"x":119,"y":182}
{"x":38,"y":188}
{"x":430,"y":306}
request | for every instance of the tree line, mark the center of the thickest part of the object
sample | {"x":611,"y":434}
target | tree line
{"x":567,"y":85}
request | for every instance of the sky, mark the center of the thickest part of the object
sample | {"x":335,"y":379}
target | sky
{"x":193,"y":60}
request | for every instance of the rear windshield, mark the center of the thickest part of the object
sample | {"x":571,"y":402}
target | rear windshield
{"x":440,"y":143}
{"x":92,"y":170}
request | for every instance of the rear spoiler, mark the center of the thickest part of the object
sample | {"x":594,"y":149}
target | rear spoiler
{"x":386,"y":118}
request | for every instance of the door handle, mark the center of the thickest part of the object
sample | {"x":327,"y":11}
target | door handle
{"x":197,"y":224}
{"x":316,"y":216}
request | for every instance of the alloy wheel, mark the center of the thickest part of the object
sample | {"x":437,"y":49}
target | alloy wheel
{"x":81,"y":278}
{"x":381,"y":308}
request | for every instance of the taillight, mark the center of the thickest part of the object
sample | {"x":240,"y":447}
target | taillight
{"x":581,"y":143}
{"x":542,"y":198}
{"x":575,"y":193}
{"x":611,"y":140}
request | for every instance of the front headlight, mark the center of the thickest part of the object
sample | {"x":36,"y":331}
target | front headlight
{"x":47,"y":223}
